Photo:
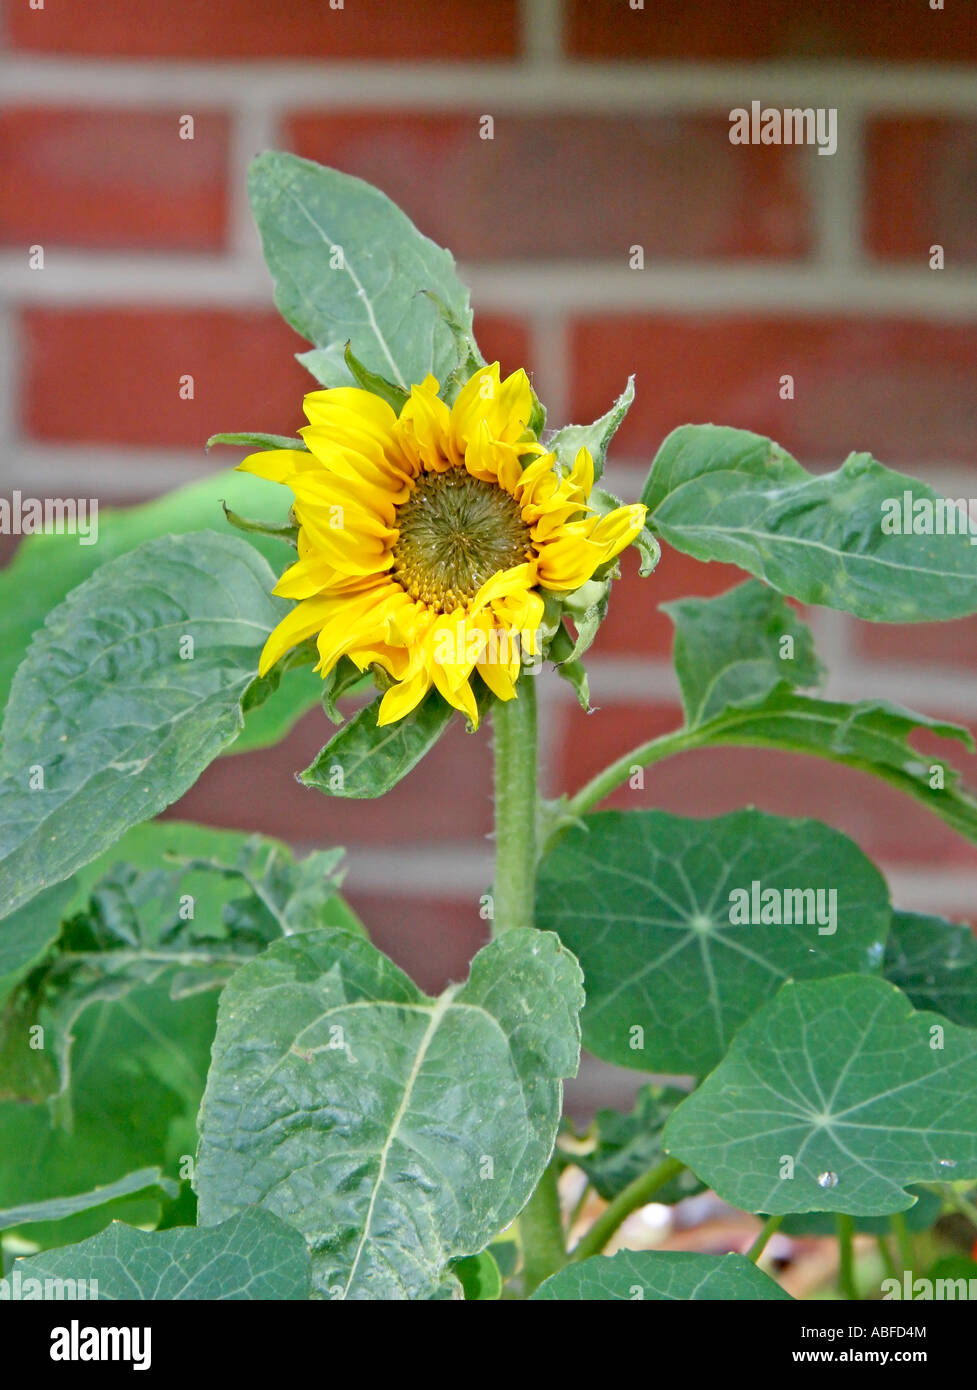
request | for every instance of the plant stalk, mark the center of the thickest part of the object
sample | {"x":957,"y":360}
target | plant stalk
{"x":638,"y":1193}
{"x":771,"y":1224}
{"x":516,"y":802}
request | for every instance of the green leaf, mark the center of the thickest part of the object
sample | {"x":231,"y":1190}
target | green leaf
{"x":365,"y":759}
{"x":249,"y":439}
{"x":724,"y":494}
{"x":479,"y":1276}
{"x":628,"y":1145}
{"x":105,"y":707}
{"x":45,"y":568}
{"x":349,"y":266}
{"x":567,"y":442}
{"x":251,"y":1256}
{"x":27,"y":934}
{"x":825,"y":1223}
{"x":144,"y":924}
{"x":395,"y":396}
{"x":645,"y":901}
{"x":934,"y":962}
{"x":729,"y":651}
{"x":56,"y":1208}
{"x":398,"y":1132}
{"x":660,"y":1275}
{"x":843,"y":1080}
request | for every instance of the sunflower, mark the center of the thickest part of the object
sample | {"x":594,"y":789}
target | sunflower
{"x":427,"y":540}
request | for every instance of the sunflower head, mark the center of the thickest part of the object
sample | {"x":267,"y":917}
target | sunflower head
{"x":435,"y":545}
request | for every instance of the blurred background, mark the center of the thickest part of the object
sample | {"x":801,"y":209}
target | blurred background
{"x":610,"y":125}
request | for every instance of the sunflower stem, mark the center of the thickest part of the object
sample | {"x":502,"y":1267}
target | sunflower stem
{"x":516,"y":797}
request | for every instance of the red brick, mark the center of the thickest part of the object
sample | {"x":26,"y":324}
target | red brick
{"x":432,"y":938}
{"x":918,"y":192}
{"x":445,"y":800}
{"x":503,"y":340}
{"x":635,"y":623}
{"x":918,"y":645}
{"x":112,"y":179}
{"x":112,"y":376}
{"x":890,"y":827}
{"x":673,"y":185}
{"x":771,"y":29}
{"x":898,"y":388}
{"x":463,"y":29}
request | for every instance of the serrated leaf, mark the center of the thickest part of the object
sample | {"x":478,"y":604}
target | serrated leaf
{"x":57,"y":1208}
{"x":934,"y":962}
{"x":844,"y":1079}
{"x":250,"y":1256}
{"x":365,"y":759}
{"x":645,"y":901}
{"x":410,"y":1136}
{"x":727,"y":650}
{"x":118,"y":723}
{"x":46,"y":567}
{"x":349,"y":266}
{"x":660,"y":1275}
{"x":729,"y":495}
{"x":567,"y":442}
{"x":627,"y":1145}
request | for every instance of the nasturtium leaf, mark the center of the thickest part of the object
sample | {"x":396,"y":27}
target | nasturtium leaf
{"x":735,"y":649}
{"x":627,"y":1145}
{"x":27,"y":934}
{"x":567,"y":442}
{"x":834,"y":1097}
{"x":366,"y":759}
{"x":659,"y":1275}
{"x":396,"y":1131}
{"x":825,"y":1223}
{"x":56,"y":1208}
{"x":46,"y":567}
{"x":653,"y":906}
{"x":350,"y":267}
{"x":934,"y":962}
{"x":114,"y":714}
{"x":729,"y":495}
{"x":251,"y":1256}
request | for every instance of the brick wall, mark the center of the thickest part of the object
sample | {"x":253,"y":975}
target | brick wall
{"x":611,"y":130}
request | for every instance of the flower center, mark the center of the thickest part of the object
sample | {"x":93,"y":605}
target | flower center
{"x":455,"y":532}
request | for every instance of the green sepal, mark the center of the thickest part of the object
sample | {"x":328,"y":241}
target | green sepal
{"x":378,"y":385}
{"x":262,"y":442}
{"x":282,"y":530}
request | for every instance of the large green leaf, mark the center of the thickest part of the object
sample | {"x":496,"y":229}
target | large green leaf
{"x":660,"y":1275}
{"x":251,"y":1256}
{"x":934,"y":962}
{"x":627,"y":1145}
{"x":725,"y":494}
{"x":365,"y":759}
{"x":736,"y":649}
{"x":56,"y":1208}
{"x":141,"y":925}
{"x":349,"y":266}
{"x":398,"y":1132}
{"x":113,"y":711}
{"x":45,"y":569}
{"x":649,"y":902}
{"x":834,"y":1097}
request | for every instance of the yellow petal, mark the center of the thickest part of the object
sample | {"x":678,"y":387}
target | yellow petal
{"x":400,"y":699}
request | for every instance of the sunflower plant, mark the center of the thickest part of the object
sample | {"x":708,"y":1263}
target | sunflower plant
{"x":206,"y":1066}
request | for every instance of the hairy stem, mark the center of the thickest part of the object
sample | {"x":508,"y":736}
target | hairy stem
{"x":516,"y":797}
{"x":544,"y":1248}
